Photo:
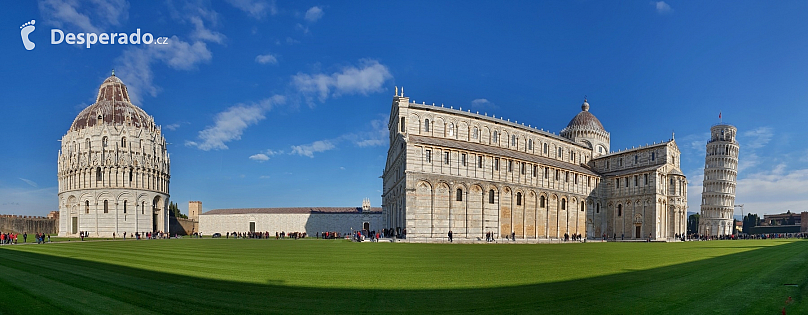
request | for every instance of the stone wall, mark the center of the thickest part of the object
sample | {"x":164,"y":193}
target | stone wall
{"x":28,"y":224}
{"x":291,"y":222}
{"x":182,"y":226}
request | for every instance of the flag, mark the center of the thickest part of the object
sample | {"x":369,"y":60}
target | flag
{"x":719,"y":115}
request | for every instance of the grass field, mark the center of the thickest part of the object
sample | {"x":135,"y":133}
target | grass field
{"x":193,"y":276}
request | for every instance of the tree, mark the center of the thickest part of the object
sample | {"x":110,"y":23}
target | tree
{"x":693,"y":223}
{"x":175,"y":211}
{"x":749,"y":221}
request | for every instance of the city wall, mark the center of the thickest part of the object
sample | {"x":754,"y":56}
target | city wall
{"x":28,"y":224}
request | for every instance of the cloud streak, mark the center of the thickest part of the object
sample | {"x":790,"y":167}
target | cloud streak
{"x":266,"y":59}
{"x":313,"y":14}
{"x":368,"y":77}
{"x":662,"y":7}
{"x":229,"y":125}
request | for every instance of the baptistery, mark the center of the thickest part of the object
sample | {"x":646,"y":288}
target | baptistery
{"x":113,"y":169}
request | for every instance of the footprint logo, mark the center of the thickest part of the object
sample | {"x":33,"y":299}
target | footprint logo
{"x":26,"y":29}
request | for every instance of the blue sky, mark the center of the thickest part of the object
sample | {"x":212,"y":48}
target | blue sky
{"x":270,"y":104}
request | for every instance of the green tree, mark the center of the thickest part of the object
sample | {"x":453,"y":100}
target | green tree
{"x":693,"y":223}
{"x":749,"y":221}
{"x":175,"y":211}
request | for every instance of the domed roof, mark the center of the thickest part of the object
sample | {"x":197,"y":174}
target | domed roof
{"x":113,"y":107}
{"x":585,"y":120}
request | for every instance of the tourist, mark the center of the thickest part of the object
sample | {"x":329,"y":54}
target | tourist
{"x":25,"y":237}
{"x":450,"y":236}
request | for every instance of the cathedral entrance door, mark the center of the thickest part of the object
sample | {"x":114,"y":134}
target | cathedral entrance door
{"x":637,"y":232}
{"x":75,"y":225}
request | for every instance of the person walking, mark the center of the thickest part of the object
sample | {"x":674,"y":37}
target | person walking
{"x":25,"y":237}
{"x":450,"y":236}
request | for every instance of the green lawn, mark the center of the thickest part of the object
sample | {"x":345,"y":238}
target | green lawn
{"x":193,"y":276}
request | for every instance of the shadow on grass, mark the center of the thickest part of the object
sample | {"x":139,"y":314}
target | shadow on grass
{"x":747,"y":282}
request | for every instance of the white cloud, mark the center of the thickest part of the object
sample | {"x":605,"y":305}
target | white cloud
{"x":264,"y":177}
{"x":368,"y":77}
{"x":260,"y":157}
{"x":266,"y":59}
{"x":376,"y":137}
{"x":313,"y":14}
{"x":202,"y":33}
{"x":230,"y":124}
{"x":172,"y":127}
{"x":255,"y":8}
{"x":482,"y":104}
{"x":134,"y":66}
{"x":29,"y":182}
{"x":774,"y":191}
{"x":75,"y":14}
{"x":662,"y":7}
{"x":314,"y":147}
{"x":757,"y":138}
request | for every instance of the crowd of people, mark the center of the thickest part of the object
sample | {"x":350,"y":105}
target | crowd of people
{"x":12,"y":238}
{"x":697,"y":237}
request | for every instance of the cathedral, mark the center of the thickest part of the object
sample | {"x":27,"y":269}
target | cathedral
{"x":113,"y":169}
{"x":477,"y":175}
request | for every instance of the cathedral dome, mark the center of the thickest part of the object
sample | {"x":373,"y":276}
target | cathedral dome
{"x":112,"y":106}
{"x":585,"y":120}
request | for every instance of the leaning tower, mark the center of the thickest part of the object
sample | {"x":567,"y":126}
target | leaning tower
{"x":720,"y":173}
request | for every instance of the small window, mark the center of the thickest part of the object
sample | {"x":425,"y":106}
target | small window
{"x":530,"y":144}
{"x":563,"y":204}
{"x":545,"y":148}
{"x":474,"y":133}
{"x":646,"y":179}
{"x":583,"y":206}
{"x":597,"y":209}
{"x":124,"y":207}
{"x":143,"y":207}
{"x":104,"y":142}
{"x":491,"y":196}
{"x":626,"y":182}
{"x":567,"y":176}
{"x":459,"y":194}
{"x":463,"y":159}
{"x":106,"y":206}
{"x":607,"y":165}
{"x":557,"y":177}
{"x":513,"y":140}
{"x":510,"y":165}
{"x":495,"y":138}
{"x":496,"y":164}
{"x":403,"y":121}
{"x":576,"y":178}
{"x":546,"y":172}
{"x":87,"y":207}
{"x":600,"y":149}
{"x":518,"y":199}
{"x":445,"y":157}
{"x":619,"y":210}
{"x":451,"y":129}
{"x":535,"y":170}
{"x":130,"y":175}
{"x":479,"y":161}
{"x":620,"y":162}
{"x":123,"y":142}
{"x":636,"y":159}
{"x":588,"y":181}
{"x":523,"y":168}
{"x":636,"y":181}
{"x":541,"y":202}
{"x":429,"y":156}
{"x":653,"y":156}
{"x":559,"y":152}
{"x":99,"y":176}
{"x":426,"y":125}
